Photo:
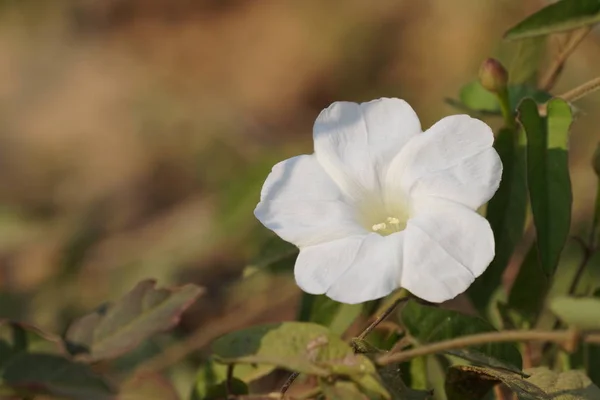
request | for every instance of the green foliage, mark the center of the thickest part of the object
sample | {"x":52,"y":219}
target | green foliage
{"x":548,"y":176}
{"x":428,"y":324}
{"x":581,"y":313}
{"x":506,"y":213}
{"x":113,"y":330}
{"x":35,"y":362}
{"x":54,"y":375}
{"x":525,"y":299}
{"x":561,"y":16}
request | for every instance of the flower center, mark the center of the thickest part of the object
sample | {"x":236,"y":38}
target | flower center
{"x":389,"y":226}
{"x":384,"y":219}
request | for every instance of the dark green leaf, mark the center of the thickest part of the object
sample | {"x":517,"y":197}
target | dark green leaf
{"x":275,"y":254}
{"x":432,"y":324}
{"x":561,"y":16}
{"x":212,"y":375}
{"x":390,"y":374}
{"x":548,"y":176}
{"x":472,"y":383}
{"x":525,"y":299}
{"x":569,"y":385}
{"x":506,"y":213}
{"x":55,"y":375}
{"x":118,"y":328}
{"x":582,"y":313}
{"x":17,"y":338}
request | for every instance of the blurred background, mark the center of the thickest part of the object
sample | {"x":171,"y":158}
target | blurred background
{"x":135,"y":134}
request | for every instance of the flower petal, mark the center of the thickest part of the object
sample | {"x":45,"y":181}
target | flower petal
{"x":301,"y":204}
{"x":454,"y":159}
{"x":356,"y":142}
{"x":446,"y":246}
{"x":319,"y":266}
{"x":375,"y":272}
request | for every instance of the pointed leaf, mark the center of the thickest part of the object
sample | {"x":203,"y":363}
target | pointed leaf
{"x":561,"y":16}
{"x":55,"y":375}
{"x":525,"y":299}
{"x":582,"y":313}
{"x":432,"y":324}
{"x":120,"y":327}
{"x":548,"y":176}
{"x":506,"y":213}
{"x":569,"y":385}
{"x":472,"y":383}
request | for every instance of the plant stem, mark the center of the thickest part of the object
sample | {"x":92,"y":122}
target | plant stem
{"x":505,"y":108}
{"x":561,"y":337}
{"x":383,"y":316}
{"x":550,"y":77}
{"x":288,"y":384}
{"x":582,"y":90}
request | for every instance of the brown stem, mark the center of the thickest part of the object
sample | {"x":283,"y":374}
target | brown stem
{"x":549,"y":79}
{"x":383,"y":316}
{"x":582,"y":90}
{"x":560,"y":337}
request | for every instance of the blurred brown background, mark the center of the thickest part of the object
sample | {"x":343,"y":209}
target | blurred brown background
{"x":135,"y":134}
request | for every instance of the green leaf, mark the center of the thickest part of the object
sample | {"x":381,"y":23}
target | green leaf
{"x":275,"y":255}
{"x":472,"y":383}
{"x":582,"y":313}
{"x":55,"y":375}
{"x":506,"y":213}
{"x":341,"y":390}
{"x":147,"y":386}
{"x":474,"y":99}
{"x":525,"y":299}
{"x":297,"y":346}
{"x":548,"y":176}
{"x":569,"y":385}
{"x":432,"y":324}
{"x":474,"y":96}
{"x":120,"y":327}
{"x":561,"y":16}
{"x":323,"y":311}
{"x":522,"y":60}
{"x":17,"y":338}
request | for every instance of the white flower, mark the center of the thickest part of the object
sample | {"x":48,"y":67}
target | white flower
{"x":382,"y":205}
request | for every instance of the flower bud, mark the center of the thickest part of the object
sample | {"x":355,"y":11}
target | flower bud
{"x":492,"y":75}
{"x":596,"y":161}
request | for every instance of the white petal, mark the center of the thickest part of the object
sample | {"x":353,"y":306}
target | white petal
{"x":446,"y":246}
{"x":375,"y":272}
{"x":356,"y":142}
{"x":454,"y":159}
{"x":319,"y":266}
{"x":301,"y":204}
